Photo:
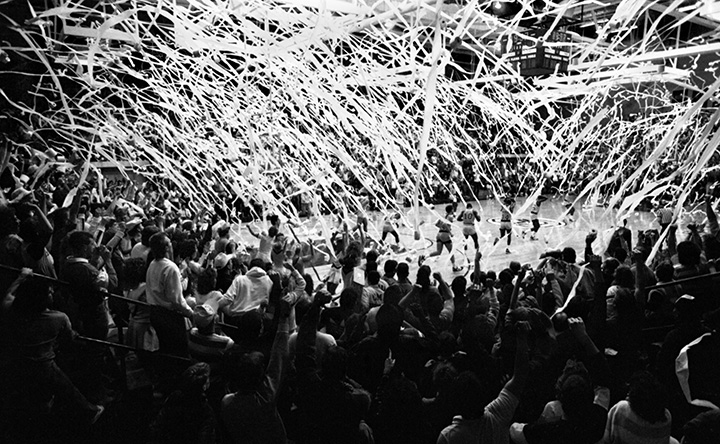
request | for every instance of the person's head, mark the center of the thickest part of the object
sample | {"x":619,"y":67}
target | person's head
{"x":81,"y":244}
{"x":448,"y":209}
{"x":574,"y":390}
{"x":9,"y":223}
{"x":257,"y":263}
{"x":389,"y":267}
{"x":248,"y":370}
{"x":207,"y":280}
{"x":423,"y":276}
{"x":469,"y":206}
{"x":224,"y":232}
{"x":665,"y":272}
{"x":392,"y":296}
{"x":186,"y":249}
{"x":348,"y":298}
{"x":569,"y":255}
{"x":647,"y":397}
{"x":195,"y":380}
{"x":371,"y":256}
{"x":688,"y":254}
{"x":470,"y":396}
{"x":608,"y":268}
{"x":458,"y":286}
{"x":389,"y":321}
{"x":624,"y":277}
{"x":505,"y":277}
{"x":334,"y":363}
{"x":273,"y":231}
{"x":373,"y":278}
{"x":147,"y":233}
{"x":160,"y":246}
{"x":703,"y":429}
{"x":687,"y":309}
{"x":515,"y":267}
{"x":134,"y":270}
{"x":32,"y":296}
{"x":403,"y":271}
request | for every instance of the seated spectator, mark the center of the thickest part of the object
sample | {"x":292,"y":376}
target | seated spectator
{"x":203,"y":343}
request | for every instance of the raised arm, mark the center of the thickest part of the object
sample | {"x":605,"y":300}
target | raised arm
{"x":280,"y":350}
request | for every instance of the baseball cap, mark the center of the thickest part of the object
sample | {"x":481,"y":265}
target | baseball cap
{"x":203,"y":315}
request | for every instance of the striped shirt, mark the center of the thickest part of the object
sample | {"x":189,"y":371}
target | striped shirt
{"x":208,"y":348}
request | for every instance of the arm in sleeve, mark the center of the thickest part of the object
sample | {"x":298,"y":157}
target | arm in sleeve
{"x":174,"y":292}
{"x":278,"y":356}
{"x":494,"y":310}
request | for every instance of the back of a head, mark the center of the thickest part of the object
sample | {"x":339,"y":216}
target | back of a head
{"x":392,"y":295}
{"x":134,"y":270}
{"x":469,"y":395}
{"x":257,"y":263}
{"x":159,"y":245}
{"x":569,"y":255}
{"x":389,"y":267}
{"x":335,"y":363}
{"x":458,"y":286}
{"x":223,"y":231}
{"x":389,"y":320}
{"x":515,"y":267}
{"x":371,"y":267}
{"x":194,"y":379}
{"x":32,"y":297}
{"x":273,"y":231}
{"x":647,"y":397}
{"x":688,"y":253}
{"x":403,"y":270}
{"x":423,"y":276}
{"x":373,"y":278}
{"x":79,"y":240}
{"x":207,"y":280}
{"x":247,"y":370}
{"x":348,"y":298}
{"x":624,"y":277}
{"x":147,"y":233}
{"x":505,"y":277}
{"x":665,"y":272}
{"x":575,"y":390}
{"x":371,"y":256}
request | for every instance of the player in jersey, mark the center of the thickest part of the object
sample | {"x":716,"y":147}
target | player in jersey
{"x":444,"y":237}
{"x":534,"y":210}
{"x":389,"y":226}
{"x":468,"y":217}
{"x":506,"y":221}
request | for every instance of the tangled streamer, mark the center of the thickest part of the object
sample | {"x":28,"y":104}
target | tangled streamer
{"x":314,"y":100}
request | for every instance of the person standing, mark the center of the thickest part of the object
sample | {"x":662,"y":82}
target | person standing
{"x":506,"y":221}
{"x":468,"y":217}
{"x":169,"y":310}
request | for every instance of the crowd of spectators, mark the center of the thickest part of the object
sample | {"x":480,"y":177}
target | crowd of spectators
{"x":241,"y":343}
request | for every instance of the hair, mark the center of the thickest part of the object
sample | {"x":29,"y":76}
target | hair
{"x":32,"y":297}
{"x":257,"y":262}
{"x":335,"y":363}
{"x":448,"y":208}
{"x":207,"y":280}
{"x":372,"y":256}
{"x":389,"y":267}
{"x":506,"y":277}
{"x":248,"y":370}
{"x":423,"y":276}
{"x":647,"y":397}
{"x":469,"y":205}
{"x":348,"y":298}
{"x":569,"y":255}
{"x":574,"y":390}
{"x":134,"y":270}
{"x":458,"y":286}
{"x":392,"y":295}
{"x":186,"y":248}
{"x":223,"y":231}
{"x":147,"y":233}
{"x":665,"y":272}
{"x":79,"y":240}
{"x":403,"y":270}
{"x":159,"y":245}
{"x":688,"y":254}
{"x":373,"y":278}
{"x":470,"y":396}
{"x":371,"y":267}
{"x":624,"y":277}
{"x":194,"y":379}
{"x":272,"y":231}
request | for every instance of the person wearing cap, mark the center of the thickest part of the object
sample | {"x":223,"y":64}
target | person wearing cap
{"x":203,"y":343}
